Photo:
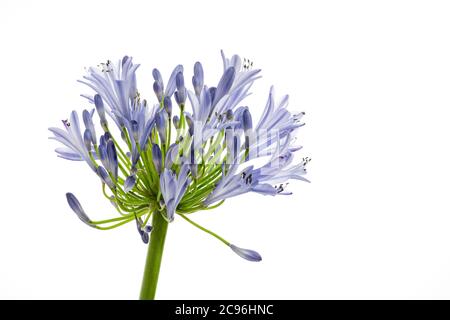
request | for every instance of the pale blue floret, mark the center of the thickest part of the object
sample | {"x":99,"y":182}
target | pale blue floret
{"x":158,"y":85}
{"x":173,"y":187}
{"x":78,"y":209}
{"x":130,"y":181}
{"x":198,"y":78}
{"x":180,"y":94}
{"x":157,"y":157}
{"x":71,"y":137}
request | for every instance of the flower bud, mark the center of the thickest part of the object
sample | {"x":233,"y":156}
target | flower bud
{"x":87,"y":137}
{"x":129,"y":183}
{"x":158,"y":90}
{"x":87,"y":119}
{"x":160,"y":121}
{"x":135,"y":129}
{"x":112,"y":159}
{"x":168,"y":105}
{"x":197,"y":79}
{"x":103,"y":174}
{"x":247,"y":254}
{"x":190,"y":123}
{"x":246,"y":120}
{"x":77,"y":208}
{"x":157,"y":157}
{"x":176,"y":122}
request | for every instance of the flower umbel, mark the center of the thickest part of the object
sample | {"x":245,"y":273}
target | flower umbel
{"x":189,"y":151}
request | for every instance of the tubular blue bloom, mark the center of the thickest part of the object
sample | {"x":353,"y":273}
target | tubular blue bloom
{"x":144,"y":136}
{"x":113,"y":164}
{"x":168,"y":106}
{"x":212,"y":92}
{"x":246,"y":120}
{"x":277,"y":171}
{"x":108,"y":155}
{"x":247,"y":254}
{"x":88,"y":140}
{"x":72,"y":139}
{"x":244,"y":74}
{"x":171,"y":155}
{"x":180,"y":94}
{"x":158,"y":90}
{"x":159,"y":87}
{"x":139,"y":126}
{"x":190,"y":123}
{"x":116,"y":85}
{"x":157,"y":157}
{"x":201,"y":105}
{"x":198,"y":78}
{"x":277,"y":118}
{"x":239,"y":90}
{"x":176,"y":122}
{"x":232,"y":184}
{"x":171,"y":85}
{"x":143,"y":230}
{"x":225,"y":84}
{"x":129,"y":183}
{"x":161,"y":121}
{"x":103,"y":174}
{"x":101,"y":111}
{"x":173,"y":188}
{"x":87,"y":119}
{"x":78,"y":209}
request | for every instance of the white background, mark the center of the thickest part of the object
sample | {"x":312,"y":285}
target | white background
{"x":373,"y":78}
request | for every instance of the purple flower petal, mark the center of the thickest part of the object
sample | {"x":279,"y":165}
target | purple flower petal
{"x":225,"y":84}
{"x":171,"y":83}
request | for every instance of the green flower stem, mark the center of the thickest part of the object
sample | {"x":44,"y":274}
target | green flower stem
{"x":154,"y":256}
{"x":205,"y":230}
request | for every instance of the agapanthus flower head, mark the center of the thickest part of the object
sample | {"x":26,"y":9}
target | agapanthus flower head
{"x":174,"y":161}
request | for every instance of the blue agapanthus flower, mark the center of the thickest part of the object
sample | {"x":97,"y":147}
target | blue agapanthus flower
{"x":188,"y":151}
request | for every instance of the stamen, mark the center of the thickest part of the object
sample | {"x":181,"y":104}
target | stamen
{"x":248,"y":64}
{"x":306,"y":160}
{"x":249,"y":179}
{"x":105,"y":67}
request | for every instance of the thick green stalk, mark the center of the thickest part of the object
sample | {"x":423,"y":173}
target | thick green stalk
{"x":154,"y":256}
